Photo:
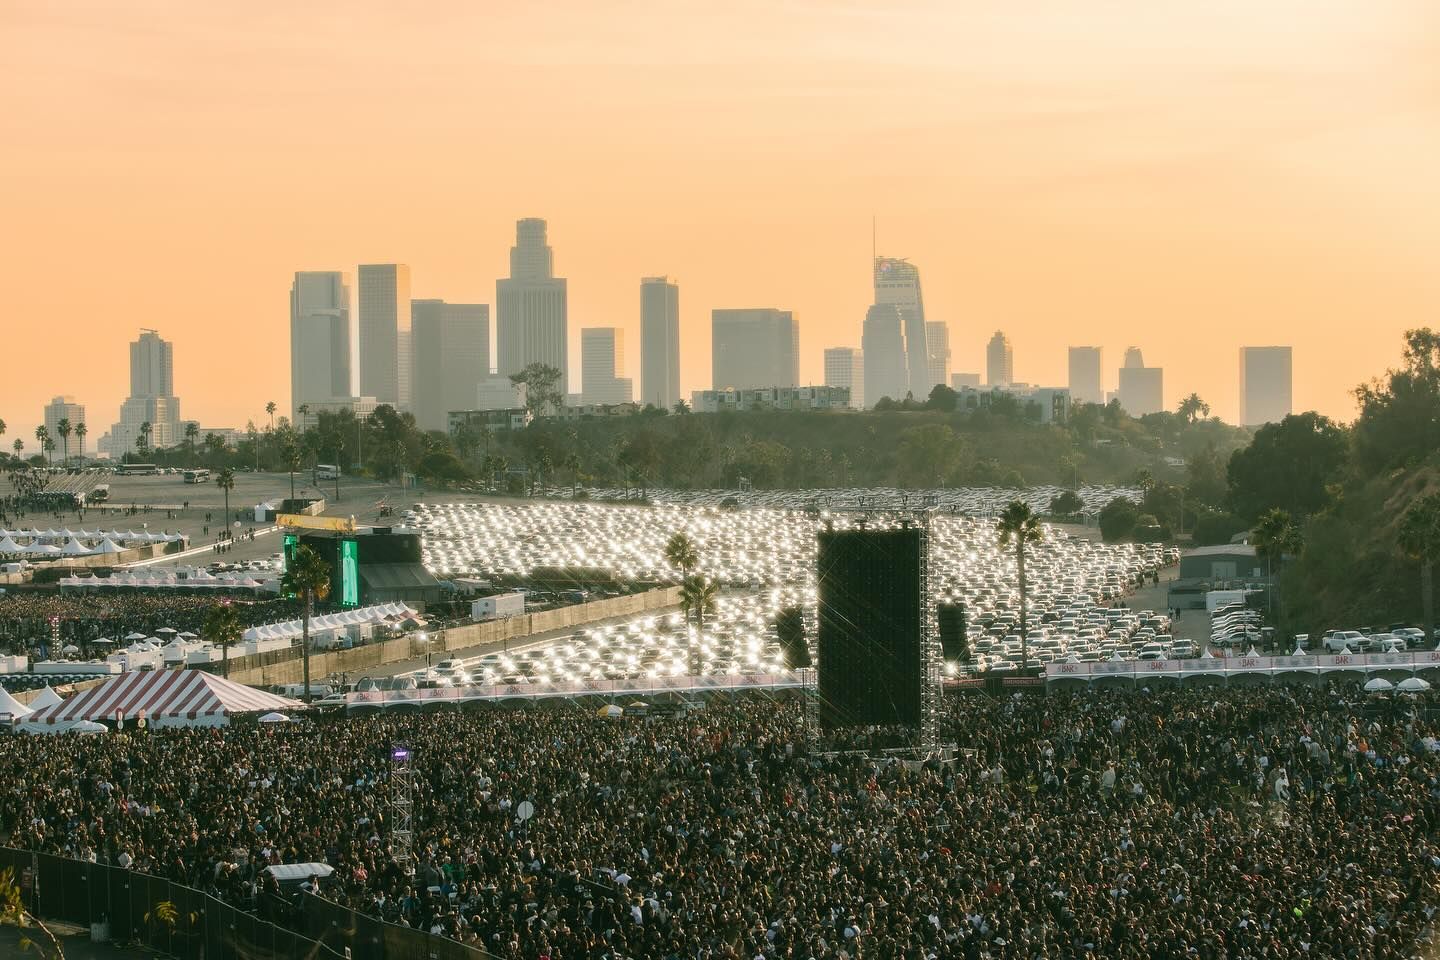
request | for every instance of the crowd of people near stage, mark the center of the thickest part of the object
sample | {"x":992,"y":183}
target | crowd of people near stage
{"x":1245,"y":823}
{"x":26,"y":618}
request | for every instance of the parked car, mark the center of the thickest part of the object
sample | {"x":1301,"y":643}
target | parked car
{"x":1414,"y":637}
{"x":1344,"y":641}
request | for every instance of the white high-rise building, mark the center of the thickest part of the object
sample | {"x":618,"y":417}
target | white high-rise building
{"x":152,"y":399}
{"x":897,"y":283}
{"x":1265,"y":385}
{"x":757,"y":347}
{"x":602,"y":359}
{"x":659,"y":342}
{"x":451,"y":356}
{"x":64,"y":408}
{"x":384,"y":327}
{"x":152,"y":366}
{"x":999,"y":361}
{"x":1142,"y":389}
{"x":845,"y":367}
{"x":531,"y":311}
{"x":324,"y":342}
{"x":882,"y":345}
{"x":1087,"y":378}
{"x":937,"y":347}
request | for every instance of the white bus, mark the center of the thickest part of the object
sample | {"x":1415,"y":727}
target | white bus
{"x":326,"y":471}
{"x":197,"y":476}
{"x":137,"y":469}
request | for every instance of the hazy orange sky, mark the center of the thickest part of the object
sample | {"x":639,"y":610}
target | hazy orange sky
{"x":1185,"y":175}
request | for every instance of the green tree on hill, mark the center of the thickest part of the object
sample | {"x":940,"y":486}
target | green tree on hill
{"x":1288,"y":466}
{"x":1398,"y":421}
{"x":1419,"y":538}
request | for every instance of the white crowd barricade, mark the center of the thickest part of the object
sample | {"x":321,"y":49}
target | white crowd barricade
{"x":1238,"y":666}
{"x":570,"y":688}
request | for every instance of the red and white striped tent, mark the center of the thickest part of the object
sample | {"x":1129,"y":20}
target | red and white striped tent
{"x":169,"y":698}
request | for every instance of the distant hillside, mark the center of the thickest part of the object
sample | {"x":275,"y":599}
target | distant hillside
{"x":1351,"y":572}
{"x":905,"y":448}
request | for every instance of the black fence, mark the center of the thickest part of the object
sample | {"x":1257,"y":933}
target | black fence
{"x":184,"y":922}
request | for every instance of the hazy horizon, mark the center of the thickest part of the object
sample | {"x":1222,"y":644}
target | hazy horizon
{"x":1182,"y":177}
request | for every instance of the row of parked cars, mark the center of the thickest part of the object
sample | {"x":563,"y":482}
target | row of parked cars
{"x":1396,"y":638}
{"x":1083,"y":631}
{"x":1236,"y":626}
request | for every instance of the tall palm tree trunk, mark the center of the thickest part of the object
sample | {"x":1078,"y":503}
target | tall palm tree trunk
{"x":695,"y":643}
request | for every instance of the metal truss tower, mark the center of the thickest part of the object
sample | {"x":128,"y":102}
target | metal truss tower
{"x":402,"y":804}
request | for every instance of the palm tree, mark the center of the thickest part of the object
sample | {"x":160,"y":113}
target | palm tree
{"x":63,"y":428}
{"x":270,"y":409}
{"x":290,"y":452}
{"x":1420,"y":540}
{"x":680,"y":551}
{"x":225,"y":480}
{"x":42,"y":436}
{"x":1192,"y":408}
{"x":2,"y":428}
{"x":1275,"y":536}
{"x":142,"y":442}
{"x":80,"y":431}
{"x":192,"y":432}
{"x":571,"y":462}
{"x":1018,"y":524}
{"x":307,"y":576}
{"x":14,"y":914}
{"x":697,"y":595}
{"x":19,"y":445}
{"x":222,"y":626}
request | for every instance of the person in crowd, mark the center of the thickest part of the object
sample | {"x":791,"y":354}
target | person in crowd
{"x":1205,"y":824}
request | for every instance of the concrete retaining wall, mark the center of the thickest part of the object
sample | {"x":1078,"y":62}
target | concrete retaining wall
{"x":285,"y":666}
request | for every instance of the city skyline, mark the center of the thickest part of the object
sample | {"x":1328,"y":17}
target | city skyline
{"x":1260,"y":175}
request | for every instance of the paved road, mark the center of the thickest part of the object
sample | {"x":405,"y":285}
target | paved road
{"x":76,"y":943}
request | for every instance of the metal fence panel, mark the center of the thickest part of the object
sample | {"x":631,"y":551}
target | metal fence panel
{"x":203,"y":926}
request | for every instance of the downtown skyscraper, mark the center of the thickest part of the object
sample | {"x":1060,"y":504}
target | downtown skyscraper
{"x":1265,"y":385}
{"x":897,"y":284}
{"x":152,"y":410}
{"x":999,"y":361}
{"x":758,"y":347}
{"x":659,"y":343}
{"x":324,"y":342}
{"x":384,"y":328}
{"x":883,"y":345}
{"x":937,"y":349}
{"x":1141,"y":389}
{"x":1087,"y":376}
{"x":602,"y":360}
{"x":845,"y":367}
{"x":532,"y":322}
{"x":451,"y":357}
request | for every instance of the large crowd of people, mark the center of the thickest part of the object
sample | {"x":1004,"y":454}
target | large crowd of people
{"x":26,"y":617}
{"x":1265,"y":822}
